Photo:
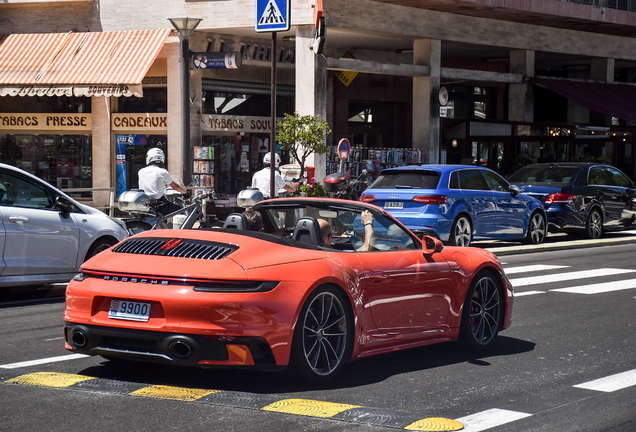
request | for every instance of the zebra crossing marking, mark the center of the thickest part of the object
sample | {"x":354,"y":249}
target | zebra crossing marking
{"x":489,"y":419}
{"x":611,"y":383}
{"x":599,"y":288}
{"x":568,"y":276}
{"x":532,"y":268}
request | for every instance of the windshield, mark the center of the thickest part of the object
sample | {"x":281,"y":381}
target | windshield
{"x":419,"y":179}
{"x":348,"y":231}
{"x":544,"y":175}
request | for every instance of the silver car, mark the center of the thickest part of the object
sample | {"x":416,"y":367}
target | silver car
{"x":46,"y":235}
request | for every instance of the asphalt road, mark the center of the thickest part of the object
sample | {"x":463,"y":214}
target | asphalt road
{"x":568,"y":363}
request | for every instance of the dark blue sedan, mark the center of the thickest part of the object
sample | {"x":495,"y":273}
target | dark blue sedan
{"x":458,"y":204}
{"x":583,"y":198}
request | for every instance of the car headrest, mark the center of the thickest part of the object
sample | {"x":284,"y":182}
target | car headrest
{"x":307,"y":231}
{"x":236,"y":221}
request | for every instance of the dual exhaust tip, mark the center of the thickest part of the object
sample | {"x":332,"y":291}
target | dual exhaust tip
{"x":177,"y":347}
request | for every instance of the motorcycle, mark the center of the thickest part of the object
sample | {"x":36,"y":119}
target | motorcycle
{"x":340,"y":185}
{"x":145,"y":216}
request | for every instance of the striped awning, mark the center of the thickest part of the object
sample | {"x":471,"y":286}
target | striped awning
{"x":79,"y":64}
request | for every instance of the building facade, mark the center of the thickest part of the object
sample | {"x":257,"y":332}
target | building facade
{"x":406,"y":81}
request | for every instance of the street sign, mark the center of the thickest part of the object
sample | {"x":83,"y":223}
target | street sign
{"x":272,"y":15}
{"x":343,"y":149}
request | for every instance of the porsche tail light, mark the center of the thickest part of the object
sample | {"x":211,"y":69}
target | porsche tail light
{"x":430,"y":199}
{"x":367,"y":198}
{"x":567,"y":198}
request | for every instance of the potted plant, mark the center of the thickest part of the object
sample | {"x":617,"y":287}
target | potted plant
{"x":302,"y":135}
{"x":311,"y":188}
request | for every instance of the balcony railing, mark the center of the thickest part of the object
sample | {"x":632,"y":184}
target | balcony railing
{"x":628,"y":5}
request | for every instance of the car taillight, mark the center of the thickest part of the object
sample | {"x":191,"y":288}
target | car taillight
{"x":560,"y":198}
{"x":367,"y":198}
{"x":430,"y":199}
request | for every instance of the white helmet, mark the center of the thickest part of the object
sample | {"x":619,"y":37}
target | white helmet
{"x":155,"y":155}
{"x":267,"y":159}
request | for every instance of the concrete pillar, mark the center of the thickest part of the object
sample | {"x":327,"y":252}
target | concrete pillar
{"x":172,"y":51}
{"x":102,"y":149}
{"x":601,"y":69}
{"x":521,"y":96}
{"x":426,"y":122}
{"x":311,"y":88}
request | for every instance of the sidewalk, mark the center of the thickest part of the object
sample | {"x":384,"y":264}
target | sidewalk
{"x":556,"y":242}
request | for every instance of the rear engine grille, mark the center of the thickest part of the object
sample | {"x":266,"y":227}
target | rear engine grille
{"x":176,"y":247}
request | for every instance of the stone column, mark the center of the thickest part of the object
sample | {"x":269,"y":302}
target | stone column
{"x":311,"y":88}
{"x":601,"y":69}
{"x":102,"y":149}
{"x":521,"y":96}
{"x":172,"y":51}
{"x":426,"y":122}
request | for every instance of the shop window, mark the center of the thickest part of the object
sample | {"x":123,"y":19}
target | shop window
{"x":64,"y":161}
{"x":155,"y":100}
{"x":45,"y":104}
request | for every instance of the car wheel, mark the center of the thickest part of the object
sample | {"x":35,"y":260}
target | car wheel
{"x":323,"y":337}
{"x":594,"y":225}
{"x":461,"y":233}
{"x":483,"y":312}
{"x":537,"y":229}
{"x":135,"y":227}
{"x":100,"y":246}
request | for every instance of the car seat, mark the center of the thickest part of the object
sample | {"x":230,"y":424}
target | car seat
{"x":307,"y":231}
{"x":235,"y":221}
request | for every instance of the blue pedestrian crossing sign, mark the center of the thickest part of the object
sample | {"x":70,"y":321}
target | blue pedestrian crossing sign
{"x":272,"y":15}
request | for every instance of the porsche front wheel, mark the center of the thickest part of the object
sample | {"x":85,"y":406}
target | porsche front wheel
{"x":323,"y":337}
{"x":483,"y":312}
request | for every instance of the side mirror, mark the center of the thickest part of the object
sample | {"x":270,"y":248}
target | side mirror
{"x":64,"y":205}
{"x":431,"y":245}
{"x":514,"y":190}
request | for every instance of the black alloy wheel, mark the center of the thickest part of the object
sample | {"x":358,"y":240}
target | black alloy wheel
{"x":100,"y":246}
{"x":483,"y":312}
{"x":461,"y":234}
{"x":323,"y":337}
{"x":594,"y":225}
{"x":537,"y":229}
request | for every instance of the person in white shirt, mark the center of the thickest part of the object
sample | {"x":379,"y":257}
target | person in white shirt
{"x":153,"y":179}
{"x":261,"y":179}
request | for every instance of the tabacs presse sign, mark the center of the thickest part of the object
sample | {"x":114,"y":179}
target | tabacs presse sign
{"x":272,"y":15}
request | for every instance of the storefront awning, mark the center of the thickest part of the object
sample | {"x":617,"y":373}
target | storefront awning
{"x":616,"y":100}
{"x":79,"y":64}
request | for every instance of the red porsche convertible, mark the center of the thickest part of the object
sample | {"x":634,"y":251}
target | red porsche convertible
{"x":291,"y":295}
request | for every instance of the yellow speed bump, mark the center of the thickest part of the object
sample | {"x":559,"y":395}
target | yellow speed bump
{"x":435,"y":424}
{"x":308,"y":407}
{"x":174,"y":393}
{"x":49,"y":379}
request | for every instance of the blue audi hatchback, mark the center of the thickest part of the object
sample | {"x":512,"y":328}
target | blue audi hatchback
{"x":458,"y":204}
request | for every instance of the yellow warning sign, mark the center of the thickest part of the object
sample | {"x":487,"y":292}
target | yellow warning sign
{"x":346,"y":76}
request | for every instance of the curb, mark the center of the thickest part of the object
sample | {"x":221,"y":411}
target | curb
{"x":559,"y":245}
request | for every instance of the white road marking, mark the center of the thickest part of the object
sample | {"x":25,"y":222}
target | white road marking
{"x":600,"y":287}
{"x":611,"y":383}
{"x":489,"y":419}
{"x":527,"y":293}
{"x":532,"y":268}
{"x":42,"y":361}
{"x":560,"y":277}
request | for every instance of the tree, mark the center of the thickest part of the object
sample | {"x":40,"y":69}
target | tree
{"x":303,"y":135}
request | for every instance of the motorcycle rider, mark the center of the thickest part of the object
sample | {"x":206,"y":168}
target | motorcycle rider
{"x":261,"y":179}
{"x":153,"y":179}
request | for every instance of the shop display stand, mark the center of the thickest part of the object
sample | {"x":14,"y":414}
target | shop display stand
{"x":378,"y":158}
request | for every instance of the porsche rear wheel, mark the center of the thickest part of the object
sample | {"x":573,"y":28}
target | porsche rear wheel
{"x":461,"y":233}
{"x":483,"y":312}
{"x":323,"y":337}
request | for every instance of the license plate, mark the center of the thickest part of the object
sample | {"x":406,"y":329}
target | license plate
{"x":129,"y":310}
{"x":393,"y":205}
